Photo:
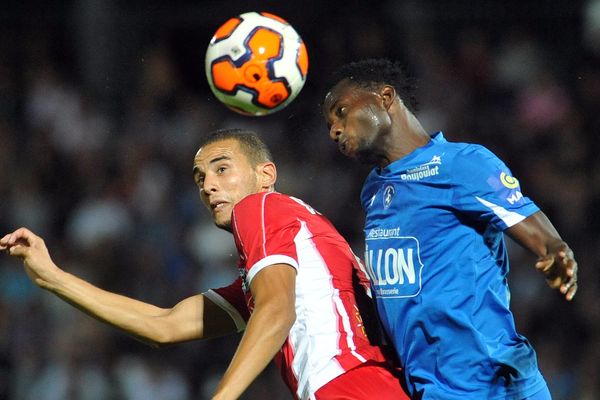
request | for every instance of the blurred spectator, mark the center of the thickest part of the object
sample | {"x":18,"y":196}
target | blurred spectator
{"x":591,"y":25}
{"x":149,"y":378}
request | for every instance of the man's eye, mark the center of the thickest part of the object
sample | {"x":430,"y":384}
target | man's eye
{"x":340,"y":111}
{"x":220,"y":170}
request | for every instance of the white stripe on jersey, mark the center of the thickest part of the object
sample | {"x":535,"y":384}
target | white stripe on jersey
{"x":315,"y":336}
{"x":262,"y":224}
{"x":346,"y":321}
{"x":510,"y":218}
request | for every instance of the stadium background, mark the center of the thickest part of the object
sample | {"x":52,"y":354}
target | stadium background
{"x":102,"y":103}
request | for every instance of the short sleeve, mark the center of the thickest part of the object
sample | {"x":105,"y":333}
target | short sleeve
{"x":231,"y":299}
{"x":485,"y":188}
{"x":265,"y":227}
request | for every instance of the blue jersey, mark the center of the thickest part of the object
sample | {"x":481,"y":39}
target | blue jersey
{"x":436,"y":254}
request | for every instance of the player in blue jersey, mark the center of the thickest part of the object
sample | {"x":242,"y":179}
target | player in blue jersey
{"x":436,"y":214}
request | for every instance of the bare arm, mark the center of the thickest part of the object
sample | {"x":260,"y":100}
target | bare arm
{"x":555,"y":259}
{"x":273,"y":290}
{"x":193,"y":318}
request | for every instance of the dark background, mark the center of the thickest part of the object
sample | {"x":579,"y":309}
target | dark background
{"x":102,"y":104}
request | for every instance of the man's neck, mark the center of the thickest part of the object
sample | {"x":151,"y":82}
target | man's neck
{"x":402,"y":143}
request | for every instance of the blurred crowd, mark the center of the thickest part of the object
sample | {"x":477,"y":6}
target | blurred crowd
{"x":102,"y":107}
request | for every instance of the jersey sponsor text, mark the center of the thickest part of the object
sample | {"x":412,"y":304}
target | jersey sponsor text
{"x":394,"y":271}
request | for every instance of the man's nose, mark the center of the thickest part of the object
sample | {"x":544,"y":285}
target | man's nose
{"x":209,"y":185}
{"x":334,"y":132}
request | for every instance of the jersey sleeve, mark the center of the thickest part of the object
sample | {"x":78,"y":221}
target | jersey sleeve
{"x":485,"y":188}
{"x":264,"y":228}
{"x":231,"y":299}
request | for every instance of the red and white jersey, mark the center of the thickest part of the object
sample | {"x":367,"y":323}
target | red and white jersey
{"x":328,"y":337}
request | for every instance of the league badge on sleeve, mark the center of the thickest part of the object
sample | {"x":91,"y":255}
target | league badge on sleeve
{"x":509,"y":181}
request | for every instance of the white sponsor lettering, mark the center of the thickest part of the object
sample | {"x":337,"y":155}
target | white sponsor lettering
{"x":395,"y":266}
{"x":419,"y":173}
{"x":391,"y":273}
{"x":516,"y":196}
{"x":383,"y":233}
{"x":384,"y":292}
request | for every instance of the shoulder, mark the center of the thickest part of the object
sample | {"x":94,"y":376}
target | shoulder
{"x":262,"y":198}
{"x":371,"y":179}
{"x":251,"y":201}
{"x":261,"y":203}
{"x":471,"y":155}
{"x":263,"y":216}
{"x":259,"y":199}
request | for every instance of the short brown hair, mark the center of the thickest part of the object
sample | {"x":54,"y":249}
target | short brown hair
{"x":251,"y":144}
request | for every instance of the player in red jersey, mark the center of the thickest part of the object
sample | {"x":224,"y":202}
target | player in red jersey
{"x":295,"y":298}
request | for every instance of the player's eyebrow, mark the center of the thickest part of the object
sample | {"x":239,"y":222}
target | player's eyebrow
{"x":220,"y":158}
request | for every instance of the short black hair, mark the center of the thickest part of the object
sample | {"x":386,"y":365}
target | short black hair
{"x":251,"y":144}
{"x":372,"y":73}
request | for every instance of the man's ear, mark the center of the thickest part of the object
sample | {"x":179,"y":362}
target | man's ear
{"x":388,"y":94}
{"x":267,"y":175}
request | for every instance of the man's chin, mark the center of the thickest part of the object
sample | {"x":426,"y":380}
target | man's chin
{"x":225,"y":225}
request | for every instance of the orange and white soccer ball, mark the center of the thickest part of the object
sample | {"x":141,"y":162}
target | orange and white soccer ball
{"x":256,"y":63}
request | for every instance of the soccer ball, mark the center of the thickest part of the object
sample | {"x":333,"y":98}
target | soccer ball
{"x":256,"y":63}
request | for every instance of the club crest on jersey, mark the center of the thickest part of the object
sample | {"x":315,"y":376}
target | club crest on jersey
{"x":388,"y":196}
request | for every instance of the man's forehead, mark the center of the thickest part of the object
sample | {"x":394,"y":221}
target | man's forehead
{"x":343,"y":88}
{"x":332,"y":96}
{"x":329,"y":100}
{"x":222,"y":148}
